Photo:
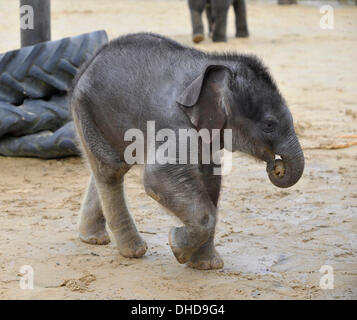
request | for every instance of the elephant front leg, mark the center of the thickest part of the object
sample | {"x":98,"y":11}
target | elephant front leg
{"x":196,"y":9}
{"x":220,"y":13}
{"x":241,"y":19}
{"x":207,"y":257}
{"x":209,"y":19}
{"x":180,"y":189}
{"x":92,"y":222}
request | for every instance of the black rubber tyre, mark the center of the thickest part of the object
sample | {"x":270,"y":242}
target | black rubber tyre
{"x":46,"y":68}
{"x":34,"y":116}
{"x":45,"y":144}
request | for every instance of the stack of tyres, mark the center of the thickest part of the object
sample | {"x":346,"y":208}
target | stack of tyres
{"x":35,"y":120}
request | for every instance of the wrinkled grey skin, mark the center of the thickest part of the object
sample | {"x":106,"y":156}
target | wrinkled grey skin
{"x":217,"y":11}
{"x":143,"y":77}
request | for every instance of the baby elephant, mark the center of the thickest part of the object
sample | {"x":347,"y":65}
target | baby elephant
{"x":141,"y":79}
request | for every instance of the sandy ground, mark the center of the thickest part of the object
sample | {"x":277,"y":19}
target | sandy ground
{"x":273,"y":241}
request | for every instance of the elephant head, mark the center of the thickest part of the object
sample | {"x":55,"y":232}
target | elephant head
{"x":242,"y":96}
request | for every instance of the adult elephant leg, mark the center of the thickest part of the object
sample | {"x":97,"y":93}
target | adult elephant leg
{"x":207,"y":257}
{"x":181,"y":190}
{"x":210,"y":18}
{"x":220,"y":13}
{"x":92,"y":222}
{"x":287,"y":2}
{"x":241,"y":19}
{"x":196,"y":9}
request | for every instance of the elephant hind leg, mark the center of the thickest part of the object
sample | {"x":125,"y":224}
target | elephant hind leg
{"x":196,"y":9}
{"x":110,"y":185}
{"x":105,"y":195}
{"x":92,"y":222}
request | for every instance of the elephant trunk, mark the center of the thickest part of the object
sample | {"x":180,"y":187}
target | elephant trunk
{"x":286,"y":172}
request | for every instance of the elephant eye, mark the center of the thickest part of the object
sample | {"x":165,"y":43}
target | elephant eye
{"x":269,"y":126}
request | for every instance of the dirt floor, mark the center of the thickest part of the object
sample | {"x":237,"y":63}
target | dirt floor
{"x":273,"y":241}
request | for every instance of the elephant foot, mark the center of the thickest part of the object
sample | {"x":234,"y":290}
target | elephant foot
{"x":197,"y":38}
{"x":242,"y":33}
{"x":216,"y":38}
{"x":206,"y":258}
{"x":178,"y":244}
{"x":100,"y":237}
{"x":134,"y":248}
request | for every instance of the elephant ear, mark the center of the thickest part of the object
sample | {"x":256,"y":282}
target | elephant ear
{"x":204,"y":100}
